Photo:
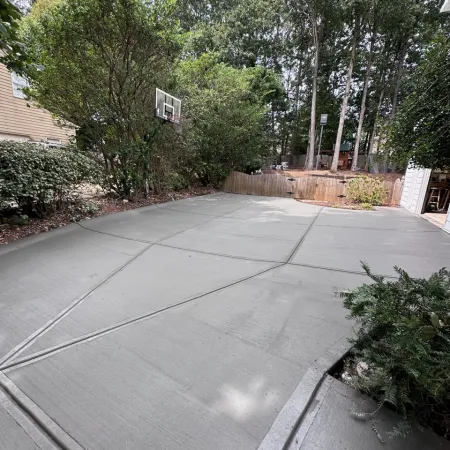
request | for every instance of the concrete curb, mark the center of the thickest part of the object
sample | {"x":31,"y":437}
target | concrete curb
{"x":291,"y":416}
{"x":42,"y":420}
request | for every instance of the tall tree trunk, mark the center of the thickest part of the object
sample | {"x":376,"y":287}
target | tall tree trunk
{"x":312,"y":128}
{"x":366,"y":142}
{"x":337,"y":147}
{"x":274,"y":141}
{"x":367,"y":151}
{"x":375,"y":124}
{"x":398,"y":78}
{"x":297,"y":111}
{"x":298,"y":82}
{"x":363,"y":101}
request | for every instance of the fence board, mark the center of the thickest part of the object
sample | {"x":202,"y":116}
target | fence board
{"x":318,"y":188}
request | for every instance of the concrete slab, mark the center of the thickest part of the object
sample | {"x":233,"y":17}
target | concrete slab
{"x":255,"y":227}
{"x":171,"y":382}
{"x":278,"y":209}
{"x":343,"y":248}
{"x":257,"y":248}
{"x":235,"y":357}
{"x":291,"y":312}
{"x":332,"y":425}
{"x":17,"y":432}
{"x":44,"y":274}
{"x":149,"y":224}
{"x":161,"y":277}
{"x":212,"y":205}
{"x":436,"y":219}
{"x":395,"y":219}
{"x":215,"y":371}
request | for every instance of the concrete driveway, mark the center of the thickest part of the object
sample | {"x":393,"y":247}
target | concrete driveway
{"x":186,"y":325}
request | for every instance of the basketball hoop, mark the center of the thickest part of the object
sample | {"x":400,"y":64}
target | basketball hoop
{"x":174,"y":119}
{"x":167,"y":107}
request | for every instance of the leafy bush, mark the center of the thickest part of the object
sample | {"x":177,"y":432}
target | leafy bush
{"x":367,"y":190}
{"x":77,"y":41}
{"x":367,"y":206}
{"x":38,"y":180}
{"x":226,"y":116}
{"x":404,"y":344}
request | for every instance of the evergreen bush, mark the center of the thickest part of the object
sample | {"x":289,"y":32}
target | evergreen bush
{"x":403,"y":341}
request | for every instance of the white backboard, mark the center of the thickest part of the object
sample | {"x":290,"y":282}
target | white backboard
{"x":167,"y":107}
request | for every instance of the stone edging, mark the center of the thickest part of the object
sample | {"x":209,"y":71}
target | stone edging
{"x":293,"y":412}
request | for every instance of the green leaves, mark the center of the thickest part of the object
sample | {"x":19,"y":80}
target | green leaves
{"x":367,"y":190}
{"x":421,"y":132}
{"x":12,"y":52}
{"x":103,"y":62}
{"x":38,"y":179}
{"x":405,"y":341}
{"x":226,"y":109}
{"x":427,"y":333}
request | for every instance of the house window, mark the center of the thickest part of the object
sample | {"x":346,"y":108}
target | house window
{"x":18,"y":84}
{"x":53,"y":143}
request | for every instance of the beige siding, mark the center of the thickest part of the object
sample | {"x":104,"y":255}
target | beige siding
{"x":18,"y":117}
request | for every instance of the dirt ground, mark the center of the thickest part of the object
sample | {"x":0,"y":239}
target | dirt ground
{"x":104,"y":205}
{"x":341,"y":204}
{"x":297,"y":173}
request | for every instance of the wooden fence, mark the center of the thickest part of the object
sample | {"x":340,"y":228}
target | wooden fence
{"x":318,"y":188}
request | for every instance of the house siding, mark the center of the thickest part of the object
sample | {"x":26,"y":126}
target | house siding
{"x":414,"y":189}
{"x":447,"y":223}
{"x":20,"y":120}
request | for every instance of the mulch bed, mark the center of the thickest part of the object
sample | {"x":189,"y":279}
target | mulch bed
{"x":340,"y":205}
{"x":345,"y":204}
{"x":106,"y":205}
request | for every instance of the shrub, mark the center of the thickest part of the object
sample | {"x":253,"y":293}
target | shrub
{"x":367,"y":206}
{"x":363,"y":189}
{"x":38,"y":180}
{"x":404,"y":343}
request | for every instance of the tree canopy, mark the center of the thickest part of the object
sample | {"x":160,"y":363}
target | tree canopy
{"x":421,"y":132}
{"x":12,"y":52}
{"x":226,"y":107}
{"x":254,"y":77}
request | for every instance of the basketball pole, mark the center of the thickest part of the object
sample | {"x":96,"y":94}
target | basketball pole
{"x":320,"y":145}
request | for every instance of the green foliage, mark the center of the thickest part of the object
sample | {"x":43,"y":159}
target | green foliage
{"x":225,"y":111}
{"x":404,"y":339}
{"x":79,"y":208}
{"x":367,"y":206}
{"x":103,"y":61}
{"x":367,"y":190}
{"x":12,"y":52}
{"x":19,"y":220}
{"x":40,"y":180}
{"x":422,"y":129}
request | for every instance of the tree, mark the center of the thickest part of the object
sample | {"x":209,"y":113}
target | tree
{"x":243,"y":34}
{"x":421,"y":131}
{"x":225,"y":116}
{"x":312,"y":127}
{"x":404,"y":30}
{"x":103,"y":61}
{"x":12,"y":52}
{"x":362,"y":111}
{"x":337,"y":147}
